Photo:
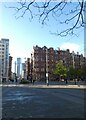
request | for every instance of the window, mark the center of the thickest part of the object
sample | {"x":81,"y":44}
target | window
{"x":2,"y":55}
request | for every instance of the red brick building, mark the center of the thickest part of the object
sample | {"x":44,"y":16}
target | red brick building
{"x":28,"y":68}
{"x":10,"y":68}
{"x":39,"y":62}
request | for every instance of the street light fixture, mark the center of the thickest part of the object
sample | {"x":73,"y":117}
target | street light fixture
{"x":73,"y":59}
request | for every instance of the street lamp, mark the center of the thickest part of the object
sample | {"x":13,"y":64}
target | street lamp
{"x":73,"y":59}
{"x":47,"y":81}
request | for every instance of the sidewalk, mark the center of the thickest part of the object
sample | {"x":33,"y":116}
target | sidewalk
{"x":52,"y":84}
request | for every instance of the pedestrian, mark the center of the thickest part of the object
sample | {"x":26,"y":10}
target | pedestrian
{"x":33,"y":82}
{"x":16,"y":79}
{"x":66,"y":80}
{"x":75,"y":80}
{"x":31,"y":79}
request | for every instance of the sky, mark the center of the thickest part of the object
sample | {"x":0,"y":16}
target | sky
{"x":23,"y":34}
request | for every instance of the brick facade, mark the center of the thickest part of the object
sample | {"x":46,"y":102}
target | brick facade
{"x":38,"y":61}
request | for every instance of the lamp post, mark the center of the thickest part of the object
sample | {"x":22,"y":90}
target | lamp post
{"x":73,"y":59}
{"x":47,"y":81}
{"x":74,"y":66}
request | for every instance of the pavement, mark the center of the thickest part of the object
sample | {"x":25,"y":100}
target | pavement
{"x":52,"y":84}
{"x":30,"y":101}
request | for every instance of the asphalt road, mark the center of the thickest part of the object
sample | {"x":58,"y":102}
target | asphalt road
{"x":27,"y":102}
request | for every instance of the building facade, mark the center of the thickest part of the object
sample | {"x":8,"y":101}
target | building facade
{"x":23,"y":71}
{"x":10,"y":68}
{"x":38,"y":57}
{"x":4,"y":59}
{"x":18,"y":67}
{"x":28,"y":65}
{"x":43,"y":62}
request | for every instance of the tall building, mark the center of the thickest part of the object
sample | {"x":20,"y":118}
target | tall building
{"x":43,"y":62}
{"x":4,"y":59}
{"x":38,"y":57}
{"x":18,"y":67}
{"x":28,"y":65}
{"x":23,"y":71}
{"x":10,"y":68}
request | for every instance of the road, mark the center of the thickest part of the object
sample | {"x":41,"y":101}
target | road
{"x":28,"y":102}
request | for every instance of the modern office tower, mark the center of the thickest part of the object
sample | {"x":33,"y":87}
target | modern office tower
{"x":4,"y":59}
{"x":15,"y":67}
{"x":23,"y":71}
{"x":18,"y":67}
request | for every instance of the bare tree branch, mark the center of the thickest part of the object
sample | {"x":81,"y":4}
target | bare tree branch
{"x":74,"y":16}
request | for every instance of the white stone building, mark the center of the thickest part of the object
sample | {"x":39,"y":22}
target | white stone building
{"x":4,"y":59}
{"x":18,"y":67}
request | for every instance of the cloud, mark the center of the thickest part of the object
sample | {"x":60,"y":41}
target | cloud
{"x":71,"y":46}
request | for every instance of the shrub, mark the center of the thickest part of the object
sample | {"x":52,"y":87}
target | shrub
{"x":24,"y":82}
